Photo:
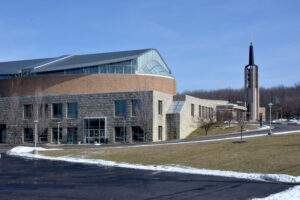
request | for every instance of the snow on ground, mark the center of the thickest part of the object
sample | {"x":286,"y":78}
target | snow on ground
{"x":28,"y":153}
{"x":289,"y":194}
{"x":27,"y":150}
{"x":264,"y":127}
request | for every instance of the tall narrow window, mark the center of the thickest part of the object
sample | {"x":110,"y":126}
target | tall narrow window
{"x":203,"y":111}
{"x":28,"y":111}
{"x":57,"y":110}
{"x":120,"y":108}
{"x":192,"y":110}
{"x":72,"y":110}
{"x":159,"y":132}
{"x":200,"y":112}
{"x":160,"y":107}
{"x":136,"y":106}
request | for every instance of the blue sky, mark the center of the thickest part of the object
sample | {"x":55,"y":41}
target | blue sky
{"x":204,"y":42}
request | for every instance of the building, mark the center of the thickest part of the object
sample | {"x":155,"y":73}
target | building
{"x":126,"y":96}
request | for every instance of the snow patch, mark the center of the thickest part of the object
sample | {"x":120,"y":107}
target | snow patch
{"x":264,"y":127}
{"x":291,"y":193}
{"x":27,"y":152}
{"x":20,"y":150}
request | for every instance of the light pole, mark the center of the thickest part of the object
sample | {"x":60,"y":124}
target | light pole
{"x":35,"y":132}
{"x":58,"y":124}
{"x":270,"y":117}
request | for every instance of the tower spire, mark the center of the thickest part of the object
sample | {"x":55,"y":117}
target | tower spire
{"x":251,"y":55}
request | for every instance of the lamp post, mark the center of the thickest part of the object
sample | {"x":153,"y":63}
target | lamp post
{"x":35,"y":136}
{"x":270,"y":117}
{"x":35,"y":132}
{"x":58,"y":125}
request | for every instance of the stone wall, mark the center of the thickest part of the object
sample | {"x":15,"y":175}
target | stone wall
{"x":89,"y":106}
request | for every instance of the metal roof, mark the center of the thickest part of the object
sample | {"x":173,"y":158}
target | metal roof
{"x":69,"y":61}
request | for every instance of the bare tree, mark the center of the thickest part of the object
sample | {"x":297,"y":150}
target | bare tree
{"x":141,"y":109}
{"x":286,"y":100}
{"x":207,"y":124}
{"x":41,"y":115}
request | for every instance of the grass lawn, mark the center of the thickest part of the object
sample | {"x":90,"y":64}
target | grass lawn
{"x":269,"y":154}
{"x":217,"y":130}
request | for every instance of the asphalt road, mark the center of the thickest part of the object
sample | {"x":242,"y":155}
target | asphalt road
{"x":41,"y":179}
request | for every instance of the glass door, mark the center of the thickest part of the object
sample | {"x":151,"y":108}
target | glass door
{"x":94,"y":130}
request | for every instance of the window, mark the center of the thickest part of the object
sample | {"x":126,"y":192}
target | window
{"x":192,"y":110}
{"x":136,"y":106}
{"x":28,"y":135}
{"x":72,"y":110}
{"x":120,"y":134}
{"x":28,"y":111}
{"x":57,"y":110}
{"x":159,"y":132}
{"x":203,"y":111}
{"x":137,"y":134}
{"x":200,"y":112}
{"x":160,"y":107}
{"x":120,"y":108}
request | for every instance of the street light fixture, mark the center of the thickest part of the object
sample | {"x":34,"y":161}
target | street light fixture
{"x":270,"y":118}
{"x":35,"y":133}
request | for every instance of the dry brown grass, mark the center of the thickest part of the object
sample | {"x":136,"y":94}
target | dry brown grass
{"x":272,"y":154}
{"x":217,"y":130}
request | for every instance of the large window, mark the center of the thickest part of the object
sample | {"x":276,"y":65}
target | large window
{"x":120,"y":134}
{"x":28,"y":111}
{"x":28,"y":135}
{"x":159,"y":132}
{"x":57,"y":110}
{"x":94,"y":130}
{"x":120,"y":108}
{"x":160,"y":107}
{"x":72,"y":110}
{"x":192,"y":110}
{"x":136,"y":106}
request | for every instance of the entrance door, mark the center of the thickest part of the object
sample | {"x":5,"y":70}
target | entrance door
{"x":94,"y":130}
{"x":2,"y":133}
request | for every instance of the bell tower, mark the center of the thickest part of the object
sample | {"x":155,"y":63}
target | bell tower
{"x":252,"y":88}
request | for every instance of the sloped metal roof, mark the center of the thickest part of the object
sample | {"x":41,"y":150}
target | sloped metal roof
{"x":69,"y":61}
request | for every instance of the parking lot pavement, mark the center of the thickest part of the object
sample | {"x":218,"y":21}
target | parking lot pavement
{"x":42,"y":179}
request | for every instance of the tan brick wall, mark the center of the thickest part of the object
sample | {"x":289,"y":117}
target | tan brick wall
{"x":189,"y":123}
{"x":88,"y":84}
{"x":160,"y":120}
